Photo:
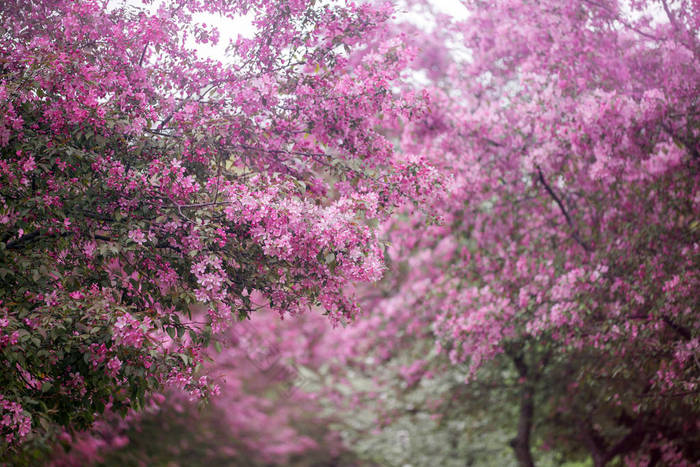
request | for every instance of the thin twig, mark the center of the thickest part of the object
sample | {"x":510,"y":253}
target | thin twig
{"x":143,"y":53}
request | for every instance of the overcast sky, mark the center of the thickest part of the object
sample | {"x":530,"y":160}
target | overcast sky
{"x":230,"y":29}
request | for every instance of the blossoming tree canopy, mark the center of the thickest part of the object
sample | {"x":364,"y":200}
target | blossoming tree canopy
{"x":571,"y":244}
{"x":146,"y":192}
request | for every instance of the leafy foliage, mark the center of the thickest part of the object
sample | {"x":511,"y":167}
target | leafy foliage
{"x":146,"y":193}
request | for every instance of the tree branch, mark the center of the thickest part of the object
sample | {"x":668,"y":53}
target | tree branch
{"x":143,"y":53}
{"x":574,"y":233}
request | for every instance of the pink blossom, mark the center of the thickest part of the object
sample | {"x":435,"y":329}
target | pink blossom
{"x":137,"y":236}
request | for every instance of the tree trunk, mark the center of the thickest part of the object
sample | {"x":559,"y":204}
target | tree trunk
{"x":521,"y":443}
{"x":595,"y":444}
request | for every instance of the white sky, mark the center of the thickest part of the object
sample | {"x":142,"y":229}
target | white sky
{"x":230,"y":29}
{"x":451,"y":7}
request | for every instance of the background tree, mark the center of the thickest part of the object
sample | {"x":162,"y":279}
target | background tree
{"x":567,"y":263}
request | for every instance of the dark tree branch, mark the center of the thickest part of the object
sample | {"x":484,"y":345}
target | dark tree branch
{"x":681,"y":330}
{"x":687,"y":142}
{"x":29,"y":238}
{"x":36,"y":235}
{"x":601,"y":453}
{"x":629,"y":442}
{"x":143,"y":53}
{"x":618,"y":18}
{"x":574,"y":230}
{"x":595,"y":444}
{"x":671,"y":17}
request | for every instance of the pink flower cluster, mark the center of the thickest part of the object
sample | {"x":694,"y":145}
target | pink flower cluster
{"x":15,"y":423}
